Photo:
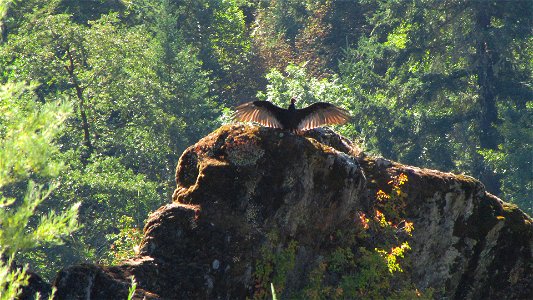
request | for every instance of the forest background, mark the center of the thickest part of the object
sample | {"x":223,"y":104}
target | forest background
{"x":100,"y":97}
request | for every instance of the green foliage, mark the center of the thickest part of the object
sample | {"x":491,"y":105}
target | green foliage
{"x":136,"y":109}
{"x":513,"y":158}
{"x":392,"y":204}
{"x":133,"y":287}
{"x":298,"y":32}
{"x":4,"y":6}
{"x":27,"y":130}
{"x":273,"y":291}
{"x":215,"y":30}
{"x":126,"y":242}
{"x":229,"y":40}
{"x":26,"y":147}
{"x":11,"y":279}
{"x":297,"y":83}
{"x":393,"y":255}
{"x":126,"y":96}
{"x":51,"y":228}
{"x":431,"y":83}
{"x":115,"y":202}
{"x":274,"y":266}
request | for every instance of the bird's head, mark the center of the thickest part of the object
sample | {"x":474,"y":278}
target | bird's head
{"x":293,"y":100}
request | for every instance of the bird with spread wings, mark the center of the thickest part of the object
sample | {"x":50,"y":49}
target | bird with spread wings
{"x":292,"y":119}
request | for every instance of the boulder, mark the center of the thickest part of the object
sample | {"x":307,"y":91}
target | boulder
{"x":245,"y":194}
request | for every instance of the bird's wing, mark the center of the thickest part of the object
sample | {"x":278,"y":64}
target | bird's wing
{"x":320,"y":114}
{"x":262,"y":112}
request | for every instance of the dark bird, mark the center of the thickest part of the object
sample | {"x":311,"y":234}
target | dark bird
{"x":293,"y":119}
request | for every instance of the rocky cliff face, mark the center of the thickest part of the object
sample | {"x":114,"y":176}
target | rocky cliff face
{"x":259,"y":205}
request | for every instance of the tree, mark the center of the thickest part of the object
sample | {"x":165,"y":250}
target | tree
{"x":27,"y":152}
{"x":131,"y":106}
{"x":311,"y":32}
{"x":216,"y":32}
{"x":442,"y":70}
{"x":293,"y":32}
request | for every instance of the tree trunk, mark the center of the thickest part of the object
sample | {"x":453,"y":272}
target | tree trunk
{"x":84,"y":122}
{"x":485,"y":58}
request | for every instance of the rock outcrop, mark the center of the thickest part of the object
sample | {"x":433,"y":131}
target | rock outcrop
{"x":243,"y":189}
